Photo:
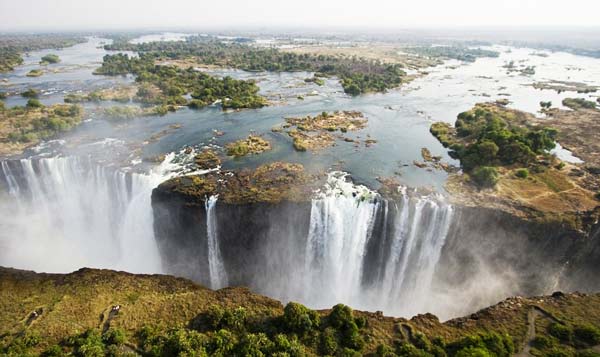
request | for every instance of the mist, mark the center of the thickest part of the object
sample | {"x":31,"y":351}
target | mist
{"x":158,"y":14}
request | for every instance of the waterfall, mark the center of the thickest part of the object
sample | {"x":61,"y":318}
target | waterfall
{"x":217,"y":273}
{"x":341,"y":227}
{"x":421,"y":226}
{"x":64,"y":213}
{"x":340,"y":222}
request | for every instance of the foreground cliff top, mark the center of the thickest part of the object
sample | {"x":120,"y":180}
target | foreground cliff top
{"x":96,"y":312}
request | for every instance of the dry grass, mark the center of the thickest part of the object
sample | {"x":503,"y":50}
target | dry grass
{"x":82,"y":300}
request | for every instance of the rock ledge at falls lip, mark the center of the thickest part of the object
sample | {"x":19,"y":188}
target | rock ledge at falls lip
{"x":273,"y":183}
{"x":67,"y":304}
{"x":269,"y":183}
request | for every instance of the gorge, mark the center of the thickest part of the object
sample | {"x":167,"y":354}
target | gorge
{"x":403,"y":252}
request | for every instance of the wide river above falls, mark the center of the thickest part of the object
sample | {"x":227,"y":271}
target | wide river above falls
{"x":399,"y":120}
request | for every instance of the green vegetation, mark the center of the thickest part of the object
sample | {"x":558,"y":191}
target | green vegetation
{"x":253,"y":144}
{"x":220,"y":331}
{"x":522,"y":173}
{"x":13,"y":45}
{"x":34,"y":103}
{"x":35,"y":73}
{"x":50,"y":59}
{"x":567,"y":340}
{"x":36,"y":122}
{"x":122,"y":94}
{"x":546,"y":105}
{"x":314,"y":133}
{"x":316,"y":80}
{"x":168,"y":85}
{"x":489,"y":136}
{"x":485,"y":176}
{"x":160,"y":315}
{"x":31,"y":93}
{"x":122,"y":112}
{"x":452,"y":52}
{"x":578,"y":103}
{"x":357,"y":75}
{"x":9,"y":59}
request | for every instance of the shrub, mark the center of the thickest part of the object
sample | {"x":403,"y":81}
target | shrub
{"x":50,"y":58}
{"x":522,"y":173}
{"x":87,"y":344}
{"x":196,"y":104}
{"x":485,"y":176}
{"x":113,"y":337}
{"x":587,"y":334}
{"x":222,"y":343}
{"x":30,"y":93}
{"x":34,"y":103}
{"x":234,"y":319}
{"x":543,"y":342}
{"x":342,"y":320}
{"x":562,"y":332}
{"x":474,"y":352}
{"x":578,"y":103}
{"x":184,"y":342}
{"x":421,"y":341}
{"x":288,"y":347}
{"x":588,"y":353}
{"x":328,"y":344}
{"x":53,"y":351}
{"x":297,"y":318}
{"x":558,"y":352}
{"x":384,"y":351}
{"x":409,"y":350}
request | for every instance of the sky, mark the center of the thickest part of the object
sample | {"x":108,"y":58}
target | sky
{"x":16,"y":15}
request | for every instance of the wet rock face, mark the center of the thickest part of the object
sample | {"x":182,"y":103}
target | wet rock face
{"x":487,"y":255}
{"x":255,"y":239}
{"x":516,"y":256}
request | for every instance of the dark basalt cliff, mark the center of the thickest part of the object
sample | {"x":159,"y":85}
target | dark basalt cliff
{"x":488,"y":254}
{"x":244,"y":230}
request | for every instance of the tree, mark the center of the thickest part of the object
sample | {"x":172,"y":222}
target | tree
{"x":485,"y":176}
{"x":34,"y":103}
{"x":50,"y":58}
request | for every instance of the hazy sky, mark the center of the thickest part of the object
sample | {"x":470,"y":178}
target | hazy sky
{"x":96,"y":14}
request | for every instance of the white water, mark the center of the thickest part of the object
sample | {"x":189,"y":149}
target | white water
{"x":341,"y":223}
{"x":420,"y":230}
{"x":64,"y":213}
{"x":217,"y":273}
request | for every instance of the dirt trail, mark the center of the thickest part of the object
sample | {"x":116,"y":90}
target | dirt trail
{"x":107,"y":315}
{"x":532,"y":315}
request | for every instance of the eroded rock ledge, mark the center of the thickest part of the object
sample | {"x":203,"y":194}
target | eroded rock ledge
{"x":269,"y":183}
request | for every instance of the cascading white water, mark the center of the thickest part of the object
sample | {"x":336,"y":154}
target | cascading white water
{"x":342,"y":217}
{"x":217,"y":273}
{"x":64,"y":213}
{"x":420,"y":230}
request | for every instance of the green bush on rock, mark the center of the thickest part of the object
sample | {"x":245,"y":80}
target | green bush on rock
{"x":485,"y":176}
